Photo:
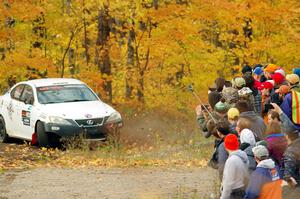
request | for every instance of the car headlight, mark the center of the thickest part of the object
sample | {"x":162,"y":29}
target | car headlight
{"x":58,"y":120}
{"x":114,"y":117}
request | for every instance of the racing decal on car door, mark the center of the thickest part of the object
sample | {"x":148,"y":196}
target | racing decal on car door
{"x":26,"y":117}
{"x":10,"y":110}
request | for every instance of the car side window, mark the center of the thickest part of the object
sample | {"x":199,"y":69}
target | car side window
{"x":17,"y":92}
{"x":27,"y":95}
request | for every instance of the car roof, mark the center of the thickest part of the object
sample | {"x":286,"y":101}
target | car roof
{"x":52,"y":82}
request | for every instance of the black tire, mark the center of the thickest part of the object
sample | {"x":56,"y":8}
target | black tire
{"x":3,"y":135}
{"x":42,"y":136}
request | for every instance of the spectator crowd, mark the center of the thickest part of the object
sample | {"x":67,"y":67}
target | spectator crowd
{"x":255,"y":120}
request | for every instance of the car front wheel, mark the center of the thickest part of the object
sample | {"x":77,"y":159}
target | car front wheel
{"x":3,"y":135}
{"x":42,"y":136}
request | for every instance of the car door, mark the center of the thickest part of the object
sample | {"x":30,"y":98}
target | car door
{"x":25,"y":113}
{"x":13,"y":110}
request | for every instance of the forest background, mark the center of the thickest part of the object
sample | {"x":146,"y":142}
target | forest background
{"x":145,"y":52}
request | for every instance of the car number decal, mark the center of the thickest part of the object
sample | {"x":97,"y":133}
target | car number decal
{"x":26,"y":117}
{"x":10,"y":110}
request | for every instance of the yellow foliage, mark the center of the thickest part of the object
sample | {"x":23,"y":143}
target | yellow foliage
{"x":173,"y":45}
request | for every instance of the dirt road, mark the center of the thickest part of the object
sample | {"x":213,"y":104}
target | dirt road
{"x":52,"y":183}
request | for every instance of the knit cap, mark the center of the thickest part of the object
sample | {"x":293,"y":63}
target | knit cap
{"x":231,"y":142}
{"x":271,"y":68}
{"x":260,"y":151}
{"x":246,"y":69}
{"x":232,"y":113}
{"x":292,"y":79}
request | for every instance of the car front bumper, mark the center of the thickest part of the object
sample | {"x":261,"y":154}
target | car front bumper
{"x":89,"y":132}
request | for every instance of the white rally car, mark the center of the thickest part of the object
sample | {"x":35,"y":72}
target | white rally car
{"x":37,"y":110}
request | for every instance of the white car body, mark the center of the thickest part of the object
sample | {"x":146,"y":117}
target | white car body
{"x":22,"y":113}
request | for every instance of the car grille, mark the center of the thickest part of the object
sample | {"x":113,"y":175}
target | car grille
{"x":90,"y":122}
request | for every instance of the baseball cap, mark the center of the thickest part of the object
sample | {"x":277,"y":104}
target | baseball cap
{"x":283,"y":89}
{"x":232,"y":113}
{"x":292,"y":78}
{"x":258,"y":71}
{"x":278,"y":78}
{"x":281,"y":71}
{"x":260,"y":151}
{"x":266,"y":85}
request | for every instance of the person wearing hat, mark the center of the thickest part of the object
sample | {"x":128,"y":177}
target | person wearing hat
{"x":238,"y":82}
{"x":296,"y":71}
{"x":291,"y":103}
{"x":258,"y":73}
{"x":279,"y":94}
{"x":269,"y":70}
{"x":265,"y":181}
{"x":256,"y":99}
{"x":233,"y":115}
{"x":246,"y":70}
{"x":230,"y":95}
{"x":266,"y":90}
{"x":207,"y":122}
{"x":278,"y":78}
{"x":233,"y":185}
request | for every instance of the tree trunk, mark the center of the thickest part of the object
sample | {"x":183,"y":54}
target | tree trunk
{"x":140,"y":91}
{"x":130,"y":64}
{"x":102,"y":58}
{"x":86,"y":41}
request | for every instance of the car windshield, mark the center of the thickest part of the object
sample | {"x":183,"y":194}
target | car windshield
{"x":65,"y":93}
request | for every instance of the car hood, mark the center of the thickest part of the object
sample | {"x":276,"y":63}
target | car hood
{"x":77,"y":110}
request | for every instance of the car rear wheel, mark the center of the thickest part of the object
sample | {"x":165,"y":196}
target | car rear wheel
{"x":3,"y":135}
{"x":42,"y":136}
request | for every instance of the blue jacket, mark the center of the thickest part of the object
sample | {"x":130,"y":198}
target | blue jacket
{"x":286,"y":107}
{"x":265,"y":174}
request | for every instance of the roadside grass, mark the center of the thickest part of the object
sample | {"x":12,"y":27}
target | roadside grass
{"x":153,"y":139}
{"x":183,"y":151}
{"x":193,"y":152}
